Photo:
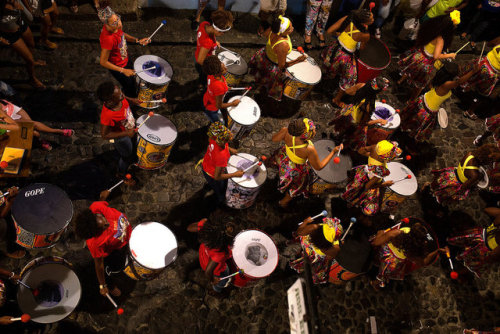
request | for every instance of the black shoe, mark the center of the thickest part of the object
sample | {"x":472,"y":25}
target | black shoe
{"x":194,"y":25}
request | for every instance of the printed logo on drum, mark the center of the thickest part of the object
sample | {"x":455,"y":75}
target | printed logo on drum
{"x":153,"y":137}
{"x":34,"y":192}
{"x":156,"y":157}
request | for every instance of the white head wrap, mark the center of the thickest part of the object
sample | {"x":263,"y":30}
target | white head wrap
{"x":285,"y":23}
{"x":219,"y":29}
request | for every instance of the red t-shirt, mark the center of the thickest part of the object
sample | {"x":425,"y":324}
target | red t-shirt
{"x":214,"y":88}
{"x":215,"y":157}
{"x":205,"y":40}
{"x":119,"y":120}
{"x":116,"y":43}
{"x":114,"y":237}
{"x":215,"y":255}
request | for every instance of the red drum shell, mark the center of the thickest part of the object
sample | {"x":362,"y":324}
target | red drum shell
{"x":368,"y":67}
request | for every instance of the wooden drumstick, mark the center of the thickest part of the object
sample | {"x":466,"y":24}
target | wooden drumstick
{"x":128,"y":177}
{"x":159,"y":27}
{"x":24,"y":318}
{"x":247,"y":90}
{"x":453,"y":274}
{"x":119,"y":310}
{"x":463,"y":46}
{"x":146,"y":69}
{"x":259,"y":163}
{"x":149,"y":115}
{"x":479,"y":60}
{"x":238,"y":88}
{"x":404,"y":178}
{"x":337,"y":157}
{"x":35,"y":292}
{"x":353,"y":221}
{"x":6,"y":193}
{"x":408,"y":157}
{"x":323,"y":213}
{"x":164,"y":100}
{"x":233,"y":274}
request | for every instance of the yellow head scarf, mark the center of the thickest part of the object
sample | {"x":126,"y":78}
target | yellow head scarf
{"x":455,"y":17}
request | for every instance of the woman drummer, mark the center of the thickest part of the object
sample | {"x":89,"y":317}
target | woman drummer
{"x":434,"y":36}
{"x":366,"y":189}
{"x":320,"y":242}
{"x":269,"y":64}
{"x":338,"y":59}
{"x":292,"y":158}
{"x":402,"y":251}
{"x":454,"y":183}
{"x":216,"y":89}
{"x":419,"y":117}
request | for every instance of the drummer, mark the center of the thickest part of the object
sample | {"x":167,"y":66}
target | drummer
{"x":13,"y":277}
{"x":206,"y":39}
{"x":7,"y":228}
{"x":269,"y":64}
{"x":114,"y":54}
{"x":216,"y":89}
{"x":401,"y":251}
{"x":292,"y":158}
{"x":320,"y":242}
{"x":215,"y":238}
{"x":216,"y":159}
{"x":338,"y":58}
{"x":366,"y":189}
{"x":107,"y":232}
{"x":118,"y":123}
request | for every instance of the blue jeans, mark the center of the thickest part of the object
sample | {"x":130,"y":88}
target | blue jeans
{"x":214,"y":116}
{"x":125,"y":148}
{"x":222,"y":284}
{"x":219,"y":187}
{"x":128,"y":84}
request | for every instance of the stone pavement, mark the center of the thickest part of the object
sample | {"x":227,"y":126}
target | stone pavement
{"x":426,"y":302}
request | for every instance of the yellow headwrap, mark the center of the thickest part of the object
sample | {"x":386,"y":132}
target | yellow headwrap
{"x":332,"y":229}
{"x":455,"y":17}
{"x":285,"y":23}
{"x":384,"y":147}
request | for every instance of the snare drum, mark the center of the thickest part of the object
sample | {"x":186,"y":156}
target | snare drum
{"x":58,"y":287}
{"x":41,"y":213}
{"x":236,"y":67}
{"x":153,"y":83}
{"x":382,"y":132}
{"x":373,"y":59}
{"x":485,"y":180}
{"x":353,"y":260}
{"x":156,"y":138}
{"x":242,"y":118}
{"x":242,"y":191}
{"x":302,"y":77}
{"x":332,"y":175}
{"x":399,"y":191}
{"x":152,"y":248}
{"x":256,"y":254}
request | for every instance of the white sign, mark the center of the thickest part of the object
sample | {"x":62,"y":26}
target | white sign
{"x":297,"y":308}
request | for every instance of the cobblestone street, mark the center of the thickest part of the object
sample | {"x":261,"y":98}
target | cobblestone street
{"x":428,"y":301}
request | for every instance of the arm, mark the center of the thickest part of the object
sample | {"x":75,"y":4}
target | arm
{"x":104,"y":61}
{"x":353,"y":89}
{"x":133,"y":100}
{"x":10,"y":124}
{"x":219,"y":176}
{"x":106,"y":133}
{"x":220,"y":104}
{"x":5,"y":320}
{"x":365,"y":150}
{"x":209,"y":271}
{"x":313,"y":157}
{"x":282,"y":51}
{"x":232,"y":150}
{"x":193,"y":227}
{"x":332,"y":251}
{"x":307,"y":227}
{"x":8,"y":201}
{"x":471,"y":181}
{"x":202,"y":54}
{"x":439,"y":49}
{"x":494,"y":256}
{"x":334,"y":27}
{"x":430,"y":257}
{"x":449,"y":85}
{"x":383,"y":237}
{"x":374,"y":183}
{"x":131,"y":39}
{"x":279,"y":136}
{"x":99,"y":270}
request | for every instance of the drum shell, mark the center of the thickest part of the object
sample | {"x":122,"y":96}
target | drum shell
{"x":340,"y":275}
{"x":149,"y":92}
{"x":242,"y":280}
{"x":239,"y":197}
{"x":367,"y":72}
{"x":296,"y":89}
{"x":30,"y":240}
{"x":391,"y":200}
{"x":233,"y":80}
{"x":151,"y":87}
{"x":138,"y":272}
{"x":238,"y":130}
{"x":151,"y":156}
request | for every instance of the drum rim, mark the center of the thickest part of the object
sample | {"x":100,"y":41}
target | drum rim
{"x":137,"y":260}
{"x":146,"y":139}
{"x":377,"y":68}
{"x":331,"y":161}
{"x":259,"y":185}
{"x":230,"y":109}
{"x":441,"y":119}
{"x":395,"y":114}
{"x":485,"y":178}
{"x":274,"y":243}
{"x":154,"y":83}
{"x":414,"y":178}
{"x":305,"y":83}
{"x":227,"y":67}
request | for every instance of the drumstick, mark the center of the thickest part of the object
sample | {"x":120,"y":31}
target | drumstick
{"x":300,"y":49}
{"x":164,"y":100}
{"x":245,"y":93}
{"x":252,"y":161}
{"x":6,"y":193}
{"x":35,"y":292}
{"x":24,"y":318}
{"x":128,"y":177}
{"x":159,"y":27}
{"x":149,"y":115}
{"x":408,"y":157}
{"x":353,"y":220}
{"x":259,"y":163}
{"x":323,"y":213}
{"x":119,"y":310}
{"x":239,"y":88}
{"x":404,"y":178}
{"x":453,"y":274}
{"x":463,"y":46}
{"x":146,"y":69}
{"x":234,"y":53}
{"x":233,"y":274}
{"x":372,"y":4}
{"x":337,"y":159}
{"x":484,"y":44}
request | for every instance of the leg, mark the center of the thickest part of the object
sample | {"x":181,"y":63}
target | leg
{"x":221,"y":4}
{"x":202,"y":4}
{"x":20,"y":47}
{"x":54,"y":14}
{"x":324,"y":13}
{"x":313,"y":7}
{"x":285,"y":200}
{"x":214,"y":116}
{"x":28,"y":39}
{"x":219,"y":188}
{"x":125,"y":149}
{"x":337,"y":99}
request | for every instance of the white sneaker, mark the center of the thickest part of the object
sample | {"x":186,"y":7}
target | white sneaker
{"x":377,"y":33}
{"x":478,"y":140}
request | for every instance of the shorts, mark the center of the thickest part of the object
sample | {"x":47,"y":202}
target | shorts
{"x":13,"y":37}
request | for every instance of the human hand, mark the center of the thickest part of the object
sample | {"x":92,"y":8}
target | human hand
{"x":4,"y":41}
{"x":301,"y":58}
{"x":388,"y":183}
{"x":449,"y":10}
{"x":235,"y":102}
{"x":5,"y":320}
{"x":452,"y":55}
{"x":215,"y":280}
{"x":144,"y":41}
{"x":239,"y":173}
{"x":136,"y":101}
{"x":15,"y":277}
{"x":13,"y":191}
{"x":308,"y":220}
{"x":104,"y":194}
{"x":218,"y":44}
{"x":338,"y":148}
{"x":104,"y":290}
{"x":128,"y":72}
{"x":131,"y":132}
{"x":382,"y":121}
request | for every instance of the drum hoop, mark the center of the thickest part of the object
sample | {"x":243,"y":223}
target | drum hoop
{"x":229,"y":111}
{"x":156,"y":144}
{"x":377,"y":68}
{"x":485,"y":178}
{"x":151,"y":83}
{"x":277,"y":253}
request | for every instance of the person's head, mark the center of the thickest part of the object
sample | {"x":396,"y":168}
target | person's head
{"x":220,"y":133}
{"x":370,"y":90}
{"x":387,"y":150}
{"x":361,"y":18}
{"x":112,"y":21}
{"x":324,"y":236}
{"x":282,"y":26}
{"x":89,"y":225}
{"x":414,"y":243}
{"x":303,"y":128}
{"x":486,"y":154}
{"x":438,"y":26}
{"x":213,"y":66}
{"x":448,"y":72}
{"x":217,"y":234}
{"x":222,"y":21}
{"x":110,"y":94}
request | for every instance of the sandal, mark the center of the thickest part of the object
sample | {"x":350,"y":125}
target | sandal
{"x":322,"y":42}
{"x":68,"y":132}
{"x":57,"y":31}
{"x":470,"y":116}
{"x":307,"y":45}
{"x":46,"y":145}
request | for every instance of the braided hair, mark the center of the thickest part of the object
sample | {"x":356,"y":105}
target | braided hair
{"x":214,"y":233}
{"x":296,"y":127}
{"x":212,"y":66}
{"x":359,"y":17}
{"x":414,"y":244}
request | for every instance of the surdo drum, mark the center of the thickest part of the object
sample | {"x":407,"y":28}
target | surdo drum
{"x":58,"y":289}
{"x":155,"y":140}
{"x":153,"y":83}
{"x":372,"y":60}
{"x":256,"y":254}
{"x":242,"y":191}
{"x":236,"y":67}
{"x":399,"y":191}
{"x":302,"y":77}
{"x":380,"y":132}
{"x":243,"y":117}
{"x":332,"y":174}
{"x":353,"y":259}
{"x":152,"y":248}
{"x":41,"y":212}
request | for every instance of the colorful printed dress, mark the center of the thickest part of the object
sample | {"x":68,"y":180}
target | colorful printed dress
{"x":492,"y":124}
{"x":367,"y":200}
{"x":393,"y":264}
{"x":349,"y":122}
{"x":485,"y":80}
{"x":418,"y":65}
{"x":446,"y":185}
{"x":477,"y":244}
{"x":320,"y":264}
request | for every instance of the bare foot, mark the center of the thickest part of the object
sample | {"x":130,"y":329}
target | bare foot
{"x":37,"y":84}
{"x":39,"y":62}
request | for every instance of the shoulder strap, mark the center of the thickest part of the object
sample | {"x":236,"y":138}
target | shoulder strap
{"x":278,"y":42}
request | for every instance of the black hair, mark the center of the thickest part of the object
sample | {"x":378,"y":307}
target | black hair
{"x":448,"y":72}
{"x":369,"y":94}
{"x":318,"y":239}
{"x":414,"y":244}
{"x":213,"y":234}
{"x":359,"y":17}
{"x":105,"y":91}
{"x":438,"y":26}
{"x":483,"y":153}
{"x":296,"y":127}
{"x":86,"y":225}
{"x":212,"y":65}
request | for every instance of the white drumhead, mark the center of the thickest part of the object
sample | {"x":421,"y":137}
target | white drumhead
{"x":442,"y":118}
{"x":158,"y":76}
{"x":245,"y":113}
{"x":157,"y":130}
{"x":405,"y":187}
{"x":235,"y":64}
{"x":484,"y":182}
{"x":306,"y":71}
{"x":393,"y":121}
{"x":255,"y":253}
{"x":249,"y":180}
{"x":332,"y":172}
{"x":153,"y":245}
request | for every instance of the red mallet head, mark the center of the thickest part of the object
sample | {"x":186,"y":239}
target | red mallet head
{"x":164,"y":100}
{"x":260,"y":163}
{"x":36,"y":292}
{"x":4,"y":164}
{"x":150,"y":114}
{"x":372,"y":4}
{"x":383,"y":100}
{"x":119,"y":311}
{"x":405,"y":220}
{"x":408,"y":176}
{"x":263,"y":158}
{"x":128,"y":176}
{"x":25,"y":317}
{"x":408,"y":157}
{"x":136,"y":129}
{"x":300,"y":49}
{"x":398,"y":111}
{"x":336,"y":160}
{"x":454,"y":275}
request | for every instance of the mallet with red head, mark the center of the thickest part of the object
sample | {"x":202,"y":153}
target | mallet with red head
{"x":24,"y":318}
{"x":150,"y":114}
{"x":127,"y":177}
{"x":119,"y":310}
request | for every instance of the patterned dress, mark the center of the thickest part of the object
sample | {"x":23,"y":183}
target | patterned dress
{"x":446,"y":186}
{"x":367,"y":200}
{"x":392,"y":266}
{"x":337,"y":61}
{"x":484,"y":80}
{"x":267,"y":74}
{"x":294,"y":178}
{"x":320,"y":265}
{"x":354,"y":133}
{"x":418,"y":66}
{"x":492,"y":125}
{"x":419,"y":121}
